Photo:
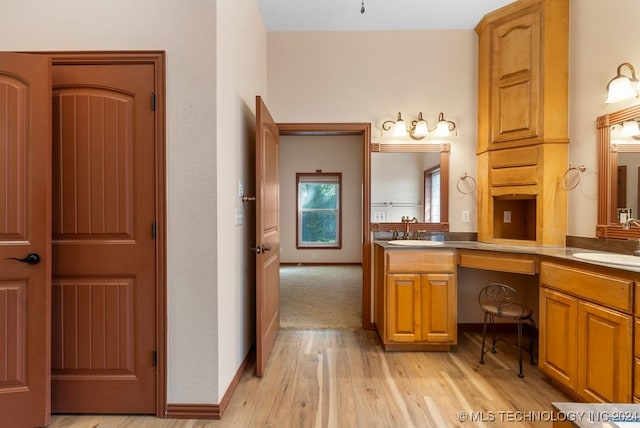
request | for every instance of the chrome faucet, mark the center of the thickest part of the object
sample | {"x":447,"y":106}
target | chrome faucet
{"x":627,"y":224}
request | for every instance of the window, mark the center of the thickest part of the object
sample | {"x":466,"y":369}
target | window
{"x":432,"y":195}
{"x":319,"y":211}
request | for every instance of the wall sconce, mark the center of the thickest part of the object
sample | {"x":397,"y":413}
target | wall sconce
{"x":419,"y":128}
{"x":622,"y":87}
{"x":630,"y":128}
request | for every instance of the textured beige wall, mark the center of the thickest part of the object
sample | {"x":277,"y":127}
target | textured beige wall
{"x":329,"y":154}
{"x":370,"y":76}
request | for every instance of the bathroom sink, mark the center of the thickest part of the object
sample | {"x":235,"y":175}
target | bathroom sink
{"x":616,"y":259}
{"x":417,"y":243}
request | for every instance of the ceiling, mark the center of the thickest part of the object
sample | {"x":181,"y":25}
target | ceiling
{"x":344,"y":15}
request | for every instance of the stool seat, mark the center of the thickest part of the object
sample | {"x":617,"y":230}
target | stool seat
{"x":515,"y":311}
{"x":502,"y":301}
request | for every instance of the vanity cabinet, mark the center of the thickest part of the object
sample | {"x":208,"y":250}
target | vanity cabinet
{"x":523,"y":123}
{"x":636,"y":346}
{"x":415,"y":298}
{"x":586,"y":330}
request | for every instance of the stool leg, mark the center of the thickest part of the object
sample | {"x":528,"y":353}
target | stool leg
{"x":493,"y":334}
{"x":520,"y":349}
{"x":484,"y":333}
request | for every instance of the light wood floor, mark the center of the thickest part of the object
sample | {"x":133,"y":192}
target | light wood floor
{"x":345,"y":379}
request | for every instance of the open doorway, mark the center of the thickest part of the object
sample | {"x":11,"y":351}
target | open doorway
{"x":318,"y":282}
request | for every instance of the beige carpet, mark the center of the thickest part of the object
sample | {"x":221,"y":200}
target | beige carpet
{"x":321,"y":297}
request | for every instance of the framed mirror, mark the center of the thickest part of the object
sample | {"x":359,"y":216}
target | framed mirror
{"x":411,"y":181}
{"x":619,"y":164}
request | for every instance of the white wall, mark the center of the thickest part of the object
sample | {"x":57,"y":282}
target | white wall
{"x":329,"y":154}
{"x":370,"y":76}
{"x":205,"y":159}
{"x":241,"y":75}
{"x":603,"y":35}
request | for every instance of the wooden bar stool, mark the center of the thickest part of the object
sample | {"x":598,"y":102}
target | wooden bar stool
{"x":502,"y":301}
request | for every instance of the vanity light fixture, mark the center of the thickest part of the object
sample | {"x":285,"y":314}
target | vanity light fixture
{"x":623,"y":87}
{"x":419,"y":128}
{"x":444,"y":126}
{"x":399,"y":128}
{"x":630,"y":128}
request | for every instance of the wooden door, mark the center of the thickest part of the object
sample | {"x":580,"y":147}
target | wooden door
{"x":267,"y":235}
{"x":605,"y":356}
{"x":104,"y":280}
{"x":438,"y":316}
{"x":404,"y":307}
{"x":25,"y":228}
{"x":558,"y":337}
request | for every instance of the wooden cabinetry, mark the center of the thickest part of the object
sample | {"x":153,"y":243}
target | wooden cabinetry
{"x":523,"y":123}
{"x":636,"y":346}
{"x":415,"y":298}
{"x":586,"y":330}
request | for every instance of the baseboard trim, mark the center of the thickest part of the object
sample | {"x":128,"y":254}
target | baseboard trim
{"x":320,"y":264}
{"x":193,"y":411}
{"x":209,"y":411}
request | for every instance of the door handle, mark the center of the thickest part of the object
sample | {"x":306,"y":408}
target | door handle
{"x":260,"y":249}
{"x":31,"y":259}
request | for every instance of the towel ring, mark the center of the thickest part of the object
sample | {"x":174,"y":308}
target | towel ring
{"x":462,"y":179}
{"x":577,"y":177}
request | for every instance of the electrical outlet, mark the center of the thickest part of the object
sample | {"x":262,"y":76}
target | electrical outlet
{"x":379,"y":216}
{"x":240,"y":189}
{"x":507,"y":217}
{"x":465,"y":216}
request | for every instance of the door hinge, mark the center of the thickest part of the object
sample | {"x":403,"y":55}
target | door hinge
{"x":155,"y":358}
{"x":154,"y":230}
{"x":153,"y":101}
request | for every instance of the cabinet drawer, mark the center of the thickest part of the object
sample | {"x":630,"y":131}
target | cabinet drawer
{"x":508,"y":158}
{"x":516,"y":176}
{"x":496,"y":261}
{"x":420,"y":261}
{"x":607,"y":290}
{"x":637,"y":305}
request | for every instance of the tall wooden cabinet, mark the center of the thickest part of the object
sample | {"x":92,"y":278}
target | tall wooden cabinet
{"x":523,"y":123}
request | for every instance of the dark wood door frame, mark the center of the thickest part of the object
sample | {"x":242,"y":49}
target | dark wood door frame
{"x":158,"y":60}
{"x":364,"y":130}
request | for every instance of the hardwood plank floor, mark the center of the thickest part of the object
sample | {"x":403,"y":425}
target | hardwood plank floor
{"x":328,"y":378}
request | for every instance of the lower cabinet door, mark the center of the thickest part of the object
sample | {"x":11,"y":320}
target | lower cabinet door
{"x":403,"y":298}
{"x":558,"y":339}
{"x":605,"y":356}
{"x":438,"y":314}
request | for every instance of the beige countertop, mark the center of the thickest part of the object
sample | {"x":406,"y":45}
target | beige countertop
{"x":565,"y":253}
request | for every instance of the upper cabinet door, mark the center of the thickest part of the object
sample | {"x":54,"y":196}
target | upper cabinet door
{"x":25,"y":239}
{"x":523,"y":83}
{"x":516,"y":78}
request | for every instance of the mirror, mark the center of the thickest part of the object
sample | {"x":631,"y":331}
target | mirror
{"x":410,"y":180}
{"x":619,"y":163}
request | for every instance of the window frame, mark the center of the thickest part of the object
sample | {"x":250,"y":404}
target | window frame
{"x":428,"y":194}
{"x":319,"y":177}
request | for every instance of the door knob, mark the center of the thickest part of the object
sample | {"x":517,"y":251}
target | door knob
{"x":261,"y":249}
{"x":30,"y":259}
